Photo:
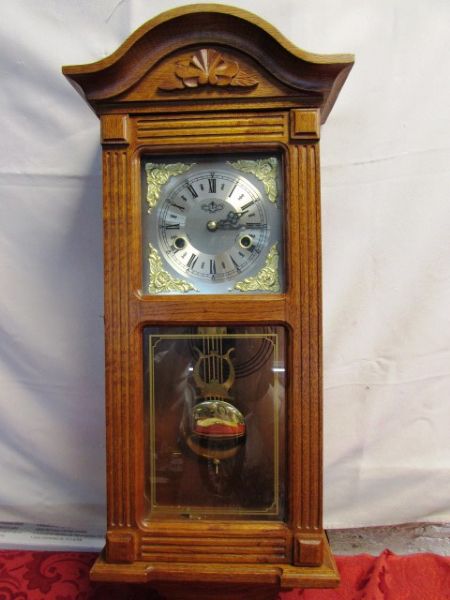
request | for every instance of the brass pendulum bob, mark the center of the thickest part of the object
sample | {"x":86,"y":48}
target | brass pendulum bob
{"x":214,"y":429}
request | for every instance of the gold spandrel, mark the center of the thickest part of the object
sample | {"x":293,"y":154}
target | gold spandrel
{"x":157,"y":176}
{"x":266,"y":170}
{"x":160,"y":281}
{"x":267,"y":279}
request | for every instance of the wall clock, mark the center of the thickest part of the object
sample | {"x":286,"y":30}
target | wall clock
{"x":210,"y":123}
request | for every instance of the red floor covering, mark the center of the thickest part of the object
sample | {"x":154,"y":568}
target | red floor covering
{"x":64,"y":576}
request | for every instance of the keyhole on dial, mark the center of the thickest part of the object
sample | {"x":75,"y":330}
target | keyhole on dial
{"x":246,"y":241}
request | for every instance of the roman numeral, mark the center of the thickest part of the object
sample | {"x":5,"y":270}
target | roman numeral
{"x":178,"y":206}
{"x":256,"y":225}
{"x":191,"y":189}
{"x":212,"y":186}
{"x":247,"y":205}
{"x":191,"y":262}
{"x":212,"y":266}
{"x":232,"y":189}
{"x":172,"y":226}
{"x":238,"y":268}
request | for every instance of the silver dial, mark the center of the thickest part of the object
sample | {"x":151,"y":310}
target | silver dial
{"x":213,"y":226}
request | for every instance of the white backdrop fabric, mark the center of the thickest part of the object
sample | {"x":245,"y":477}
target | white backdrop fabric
{"x":385,"y":197}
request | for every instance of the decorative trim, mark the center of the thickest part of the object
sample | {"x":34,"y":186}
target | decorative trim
{"x":267,"y":279}
{"x":160,"y":280}
{"x":121,"y":546}
{"x":305,"y":124}
{"x":115,"y":129}
{"x":207,"y":67}
{"x":157,"y":176}
{"x":119,"y":392}
{"x":309,"y":550}
{"x":220,"y":128}
{"x":265,"y":170}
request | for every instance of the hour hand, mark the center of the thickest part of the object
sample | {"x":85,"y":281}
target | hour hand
{"x":236,"y":215}
{"x":231,"y":222}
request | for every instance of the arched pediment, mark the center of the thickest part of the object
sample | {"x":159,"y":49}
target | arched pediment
{"x":211,"y":53}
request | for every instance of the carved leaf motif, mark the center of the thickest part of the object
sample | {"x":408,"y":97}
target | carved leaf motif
{"x":267,"y":280}
{"x":160,"y":280}
{"x":204,"y":67}
{"x":243,"y":79}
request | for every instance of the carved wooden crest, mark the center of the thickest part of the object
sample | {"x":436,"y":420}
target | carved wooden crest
{"x":207,"y":67}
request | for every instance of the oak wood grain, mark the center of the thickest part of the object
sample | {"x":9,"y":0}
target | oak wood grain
{"x":254,"y":92}
{"x":148,"y":54}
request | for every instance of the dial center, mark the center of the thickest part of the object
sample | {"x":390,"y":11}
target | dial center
{"x":206,"y":234}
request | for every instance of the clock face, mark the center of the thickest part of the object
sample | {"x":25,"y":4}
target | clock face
{"x":213,"y":226}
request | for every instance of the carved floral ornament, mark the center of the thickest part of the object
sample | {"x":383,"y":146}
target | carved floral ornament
{"x":268,"y":277}
{"x":160,"y":280}
{"x":207,"y":67}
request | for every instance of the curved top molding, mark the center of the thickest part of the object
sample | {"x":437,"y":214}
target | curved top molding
{"x":223,"y":52}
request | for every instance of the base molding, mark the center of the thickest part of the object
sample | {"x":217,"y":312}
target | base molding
{"x":172,"y":591}
{"x":174,"y":581}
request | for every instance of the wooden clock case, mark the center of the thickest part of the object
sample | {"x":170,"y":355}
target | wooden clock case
{"x":243,"y":87}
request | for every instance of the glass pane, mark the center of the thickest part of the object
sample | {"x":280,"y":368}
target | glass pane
{"x":216,"y":421}
{"x":212,"y":224}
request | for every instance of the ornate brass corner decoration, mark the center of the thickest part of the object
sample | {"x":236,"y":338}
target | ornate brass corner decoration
{"x":267,"y":280}
{"x":157,"y":176}
{"x":265,"y":170}
{"x":204,"y":67}
{"x":160,"y":280}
